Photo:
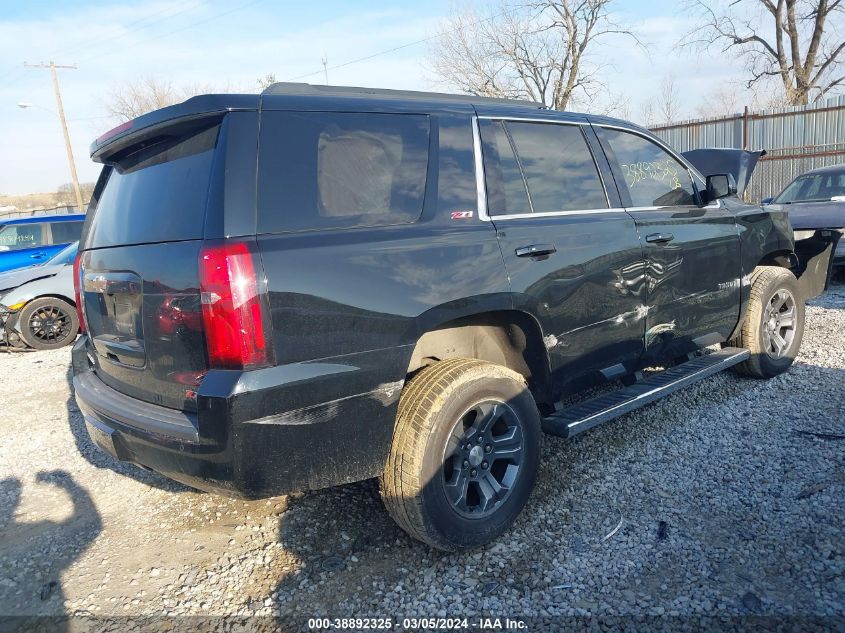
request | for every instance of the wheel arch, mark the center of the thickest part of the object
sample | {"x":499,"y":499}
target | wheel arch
{"x":783,"y":258}
{"x":511,"y":338}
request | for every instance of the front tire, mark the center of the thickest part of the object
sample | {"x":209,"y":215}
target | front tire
{"x":48,"y":323}
{"x":774,"y":323}
{"x":465,"y":454}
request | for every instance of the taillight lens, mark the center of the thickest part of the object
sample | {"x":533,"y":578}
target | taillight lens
{"x":77,"y":291}
{"x":234,"y":310}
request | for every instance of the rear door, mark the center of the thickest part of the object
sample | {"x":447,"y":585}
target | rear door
{"x":140,"y":262}
{"x":692,"y":252}
{"x":571,"y":252}
{"x":23,"y":245}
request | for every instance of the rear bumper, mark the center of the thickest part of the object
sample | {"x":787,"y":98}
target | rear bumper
{"x":255,"y":434}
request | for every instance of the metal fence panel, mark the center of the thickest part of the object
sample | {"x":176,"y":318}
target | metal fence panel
{"x":796,"y":140}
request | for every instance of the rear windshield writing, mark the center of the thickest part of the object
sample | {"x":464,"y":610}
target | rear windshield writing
{"x":156,"y":194}
{"x":332,"y":170}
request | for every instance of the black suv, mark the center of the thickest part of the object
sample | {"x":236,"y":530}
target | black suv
{"x":319,"y":285}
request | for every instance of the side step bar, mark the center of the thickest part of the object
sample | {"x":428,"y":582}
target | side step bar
{"x":609,"y":406}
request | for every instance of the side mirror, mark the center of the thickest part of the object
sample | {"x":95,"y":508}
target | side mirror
{"x":720,"y":186}
{"x":766,"y":200}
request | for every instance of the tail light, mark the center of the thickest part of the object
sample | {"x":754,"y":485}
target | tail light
{"x":77,"y":290}
{"x":234,"y":310}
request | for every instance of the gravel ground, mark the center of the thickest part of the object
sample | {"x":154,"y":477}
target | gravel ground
{"x":729,"y":499}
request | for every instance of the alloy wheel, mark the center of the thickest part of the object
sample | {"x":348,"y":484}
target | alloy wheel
{"x":482,"y":459}
{"x":779,"y":323}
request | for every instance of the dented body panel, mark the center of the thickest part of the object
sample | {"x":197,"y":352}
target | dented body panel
{"x":353,"y":310}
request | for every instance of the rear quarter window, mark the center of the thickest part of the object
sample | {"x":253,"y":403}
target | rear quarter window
{"x":321,"y":170}
{"x":65,"y":232}
{"x":155,"y":194}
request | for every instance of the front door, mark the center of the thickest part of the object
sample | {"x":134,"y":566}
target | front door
{"x":692,"y":252}
{"x":573,"y":258}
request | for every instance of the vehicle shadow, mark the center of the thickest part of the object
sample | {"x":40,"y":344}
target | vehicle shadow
{"x":31,"y":594}
{"x":348,"y":550}
{"x":99,"y":459}
{"x":349,"y":553}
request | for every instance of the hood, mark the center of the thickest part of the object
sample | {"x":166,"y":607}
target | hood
{"x":815,"y":215}
{"x":15,"y":278}
{"x":739,"y":163}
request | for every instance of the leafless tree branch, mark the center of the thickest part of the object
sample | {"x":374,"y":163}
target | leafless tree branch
{"x":526,"y":49}
{"x":801,"y":43}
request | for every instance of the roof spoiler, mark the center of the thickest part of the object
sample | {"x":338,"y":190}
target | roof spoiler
{"x":202,"y":106}
{"x":739,"y":163}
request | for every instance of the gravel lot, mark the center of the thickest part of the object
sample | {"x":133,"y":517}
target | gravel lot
{"x":731,"y":497}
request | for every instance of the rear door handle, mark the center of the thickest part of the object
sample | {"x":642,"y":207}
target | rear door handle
{"x":536,"y":250}
{"x":659,"y":238}
{"x":38,"y":255}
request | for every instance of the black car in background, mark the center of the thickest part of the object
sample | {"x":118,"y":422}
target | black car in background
{"x":319,"y":285}
{"x":816,"y":201}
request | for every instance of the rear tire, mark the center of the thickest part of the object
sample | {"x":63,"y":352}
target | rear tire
{"x":465,"y":454}
{"x":774,"y":323}
{"x":48,"y":323}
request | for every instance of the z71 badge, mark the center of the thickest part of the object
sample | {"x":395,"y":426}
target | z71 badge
{"x":461,"y":215}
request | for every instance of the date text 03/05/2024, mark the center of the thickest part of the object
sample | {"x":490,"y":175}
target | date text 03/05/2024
{"x":413,"y":624}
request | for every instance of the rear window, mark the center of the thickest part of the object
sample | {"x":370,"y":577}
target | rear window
{"x":322,"y":170}
{"x":155,"y":194}
{"x":65,"y":232}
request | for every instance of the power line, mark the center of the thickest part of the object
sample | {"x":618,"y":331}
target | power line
{"x":403,"y":46}
{"x":184,"y":28}
{"x":99,"y":42}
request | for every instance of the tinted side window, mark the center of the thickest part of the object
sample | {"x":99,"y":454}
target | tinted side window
{"x":321,"y":170}
{"x":506,"y":194}
{"x":653,"y":177}
{"x":65,"y":232}
{"x":16,"y":237}
{"x":558,"y":166}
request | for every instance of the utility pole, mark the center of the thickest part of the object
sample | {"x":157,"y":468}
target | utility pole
{"x":52,"y":66}
{"x":325,"y":61}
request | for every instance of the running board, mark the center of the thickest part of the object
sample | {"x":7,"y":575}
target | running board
{"x":609,"y":406}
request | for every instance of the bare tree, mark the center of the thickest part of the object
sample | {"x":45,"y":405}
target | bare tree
{"x":65,"y":194}
{"x":526,"y":49}
{"x":721,"y":101}
{"x":132,"y":99}
{"x":669,"y":106}
{"x":266,"y":81}
{"x":646,"y":117}
{"x":799,"y":43}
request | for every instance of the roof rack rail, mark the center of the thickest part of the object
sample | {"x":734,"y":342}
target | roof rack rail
{"x":311,"y":90}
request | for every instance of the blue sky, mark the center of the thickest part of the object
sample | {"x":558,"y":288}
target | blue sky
{"x":230,"y":43}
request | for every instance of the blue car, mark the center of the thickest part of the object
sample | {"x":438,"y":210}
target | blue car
{"x":34,"y":240}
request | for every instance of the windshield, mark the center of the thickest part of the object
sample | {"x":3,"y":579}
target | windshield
{"x":64,"y":256}
{"x":813,"y":188}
